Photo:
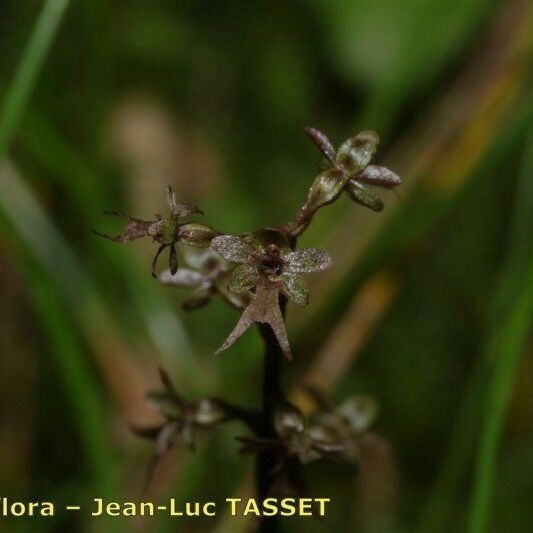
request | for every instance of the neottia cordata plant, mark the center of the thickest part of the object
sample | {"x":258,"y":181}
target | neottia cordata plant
{"x":257,"y":272}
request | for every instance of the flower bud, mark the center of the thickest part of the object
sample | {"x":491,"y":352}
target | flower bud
{"x":167,"y":437}
{"x":197,"y":234}
{"x":360,"y":194}
{"x":322,"y":433}
{"x":263,"y":237}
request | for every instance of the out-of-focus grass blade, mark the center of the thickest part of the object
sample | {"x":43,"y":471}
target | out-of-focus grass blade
{"x":457,"y":459}
{"x":507,"y":348}
{"x":82,"y":389}
{"x":88,"y":407}
{"x":44,"y":242}
{"x":33,"y":58}
{"x":514,"y":310}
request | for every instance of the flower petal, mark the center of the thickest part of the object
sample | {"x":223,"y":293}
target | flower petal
{"x":180,"y":209}
{"x":173,"y":260}
{"x":379,"y":176}
{"x":356,"y":153}
{"x":234,"y":248}
{"x":277,"y":324}
{"x":360,"y":194}
{"x":183,"y":278}
{"x":169,"y":386}
{"x":200,"y":258}
{"x":168,"y":436}
{"x":242,"y":279}
{"x":264,"y":308}
{"x":359,"y":411}
{"x":295,"y":288}
{"x":307,"y":260}
{"x":184,"y":209}
{"x":135,"y":228}
{"x":264,"y":237}
{"x":199,"y":300}
{"x":245,"y":321}
{"x":322,"y":142}
{"x":288,"y":420}
{"x":153,"y":265}
{"x":147,"y":432}
{"x":197,"y":234}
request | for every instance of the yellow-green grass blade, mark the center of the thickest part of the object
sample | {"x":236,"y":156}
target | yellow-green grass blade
{"x":20,"y":88}
{"x":506,"y":347}
{"x":460,"y":451}
{"x":84,"y":394}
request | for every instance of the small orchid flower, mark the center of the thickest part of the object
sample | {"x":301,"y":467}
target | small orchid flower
{"x":294,"y":438}
{"x":208,"y":276}
{"x":180,"y":419}
{"x":349,"y":170}
{"x":345,"y":423}
{"x":330,"y":433}
{"x":166,"y":231}
{"x":268,"y":267}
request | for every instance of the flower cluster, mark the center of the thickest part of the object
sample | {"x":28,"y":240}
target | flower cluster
{"x":329,"y":433}
{"x":166,"y":231}
{"x":257,"y":270}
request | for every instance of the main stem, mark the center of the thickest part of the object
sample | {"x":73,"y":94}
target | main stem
{"x":273,"y":395}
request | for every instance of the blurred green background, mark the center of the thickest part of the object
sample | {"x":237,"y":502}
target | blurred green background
{"x":428,"y":306}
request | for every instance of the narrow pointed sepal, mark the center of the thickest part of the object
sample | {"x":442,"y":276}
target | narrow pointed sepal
{"x":245,"y":321}
{"x":135,"y":228}
{"x":173,"y":260}
{"x":322,"y":143}
{"x":153,"y":265}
